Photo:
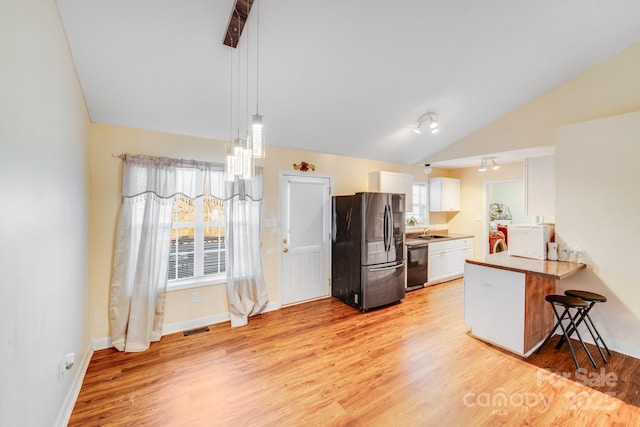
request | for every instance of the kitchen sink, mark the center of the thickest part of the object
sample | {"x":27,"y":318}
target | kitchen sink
{"x":432,"y":237}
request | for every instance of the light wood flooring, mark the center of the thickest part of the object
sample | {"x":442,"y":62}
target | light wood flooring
{"x":324,"y":363}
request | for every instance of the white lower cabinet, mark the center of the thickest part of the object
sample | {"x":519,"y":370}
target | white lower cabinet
{"x":494,"y":305}
{"x":447,"y":259}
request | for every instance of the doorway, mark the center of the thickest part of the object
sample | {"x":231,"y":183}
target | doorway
{"x":305,"y":236}
{"x":510,"y":195}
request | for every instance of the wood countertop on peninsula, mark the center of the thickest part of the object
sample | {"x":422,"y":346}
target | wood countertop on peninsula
{"x":550,"y":269}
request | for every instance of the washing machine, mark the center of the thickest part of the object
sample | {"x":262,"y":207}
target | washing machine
{"x":497,"y":242}
{"x":498,"y":236}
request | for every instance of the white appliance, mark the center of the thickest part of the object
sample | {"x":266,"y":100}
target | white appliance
{"x":530,"y":240}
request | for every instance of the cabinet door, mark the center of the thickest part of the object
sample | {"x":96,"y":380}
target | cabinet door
{"x":435,"y":267}
{"x":444,"y":194}
{"x":464,"y":250}
{"x":450,"y":195}
{"x":494,"y":305}
{"x":393,"y":182}
{"x":449,"y":263}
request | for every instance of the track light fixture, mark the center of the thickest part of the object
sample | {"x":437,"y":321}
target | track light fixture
{"x":427,"y":118}
{"x":486,"y":162}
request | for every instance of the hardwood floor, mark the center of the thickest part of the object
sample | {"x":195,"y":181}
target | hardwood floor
{"x":324,"y":363}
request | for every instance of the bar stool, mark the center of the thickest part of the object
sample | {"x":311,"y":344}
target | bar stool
{"x":592,"y":298}
{"x":568,"y":303}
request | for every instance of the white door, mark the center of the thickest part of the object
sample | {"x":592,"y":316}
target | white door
{"x":305,"y":215}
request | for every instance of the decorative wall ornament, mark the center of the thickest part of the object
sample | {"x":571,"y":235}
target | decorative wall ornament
{"x":304,"y":167}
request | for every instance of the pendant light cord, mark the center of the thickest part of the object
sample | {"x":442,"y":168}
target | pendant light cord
{"x":257,"y":54}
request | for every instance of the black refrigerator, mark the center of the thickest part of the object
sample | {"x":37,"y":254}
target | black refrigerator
{"x":367,"y":258}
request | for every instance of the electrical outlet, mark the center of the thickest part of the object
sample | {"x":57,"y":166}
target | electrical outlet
{"x":195,"y":296}
{"x":69,"y":360}
{"x":66,"y":364}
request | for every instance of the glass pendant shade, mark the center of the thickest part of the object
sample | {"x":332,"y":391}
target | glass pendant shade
{"x":239,"y":161}
{"x":257,"y":136}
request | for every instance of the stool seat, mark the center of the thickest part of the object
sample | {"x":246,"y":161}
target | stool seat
{"x":567,"y":301}
{"x":585,"y":295}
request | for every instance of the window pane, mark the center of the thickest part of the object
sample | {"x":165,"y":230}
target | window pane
{"x":212,"y":210}
{"x":182,"y":253}
{"x":214,"y":262}
{"x":214,"y":255}
{"x":183,"y":209}
{"x":197,"y":238}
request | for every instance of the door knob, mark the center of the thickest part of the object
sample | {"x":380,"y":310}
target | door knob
{"x":285,"y":250}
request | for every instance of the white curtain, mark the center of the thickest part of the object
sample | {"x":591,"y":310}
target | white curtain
{"x":245,"y":283}
{"x":139,"y":282}
{"x":142,"y":252}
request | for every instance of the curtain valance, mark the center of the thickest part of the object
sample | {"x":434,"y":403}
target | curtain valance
{"x":166,"y":177}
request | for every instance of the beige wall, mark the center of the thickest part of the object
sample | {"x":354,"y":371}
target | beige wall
{"x":473,"y":207}
{"x":597,"y":211}
{"x":43,"y":219}
{"x":350,"y":175}
{"x":608,"y":89}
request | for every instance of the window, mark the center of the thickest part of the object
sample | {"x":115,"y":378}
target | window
{"x":419,"y":214}
{"x":197,"y":254}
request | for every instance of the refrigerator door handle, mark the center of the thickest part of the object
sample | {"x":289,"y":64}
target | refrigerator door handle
{"x":390,"y":230}
{"x":385,"y":228}
{"x":394,"y":267}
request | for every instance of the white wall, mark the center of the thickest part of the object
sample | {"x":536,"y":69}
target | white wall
{"x":598,"y":211}
{"x":43,"y":217}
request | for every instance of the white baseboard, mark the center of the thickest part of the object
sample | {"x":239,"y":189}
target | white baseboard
{"x":272,"y":306}
{"x":171,"y":328}
{"x":74,"y":391}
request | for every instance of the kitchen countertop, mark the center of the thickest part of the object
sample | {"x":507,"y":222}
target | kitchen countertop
{"x":411,"y":241}
{"x":550,"y":269}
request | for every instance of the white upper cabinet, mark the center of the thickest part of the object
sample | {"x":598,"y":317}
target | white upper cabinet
{"x":444,"y":194}
{"x":393,"y":182}
{"x":540,"y":186}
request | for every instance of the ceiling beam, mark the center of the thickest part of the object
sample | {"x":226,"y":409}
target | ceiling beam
{"x":238,"y":18}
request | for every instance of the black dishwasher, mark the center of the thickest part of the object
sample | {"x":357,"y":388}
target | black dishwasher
{"x":417,"y":258}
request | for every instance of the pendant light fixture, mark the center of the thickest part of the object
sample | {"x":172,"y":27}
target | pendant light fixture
{"x":256,"y":129}
{"x":241,"y":152}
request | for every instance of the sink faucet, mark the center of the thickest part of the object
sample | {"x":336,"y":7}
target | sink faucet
{"x":426,"y":231}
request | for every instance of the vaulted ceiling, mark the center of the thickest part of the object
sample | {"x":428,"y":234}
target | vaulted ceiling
{"x":335,"y":76}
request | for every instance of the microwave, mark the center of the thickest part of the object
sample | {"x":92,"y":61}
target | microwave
{"x":530,"y":240}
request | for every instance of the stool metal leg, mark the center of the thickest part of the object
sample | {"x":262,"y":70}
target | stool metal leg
{"x":599,"y":337}
{"x":580,"y":320}
{"x":586,"y":350}
{"x":597,"y":333}
{"x":572,"y":326}
{"x":560,"y":318}
{"x":546,"y":340}
{"x":595,"y":340}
